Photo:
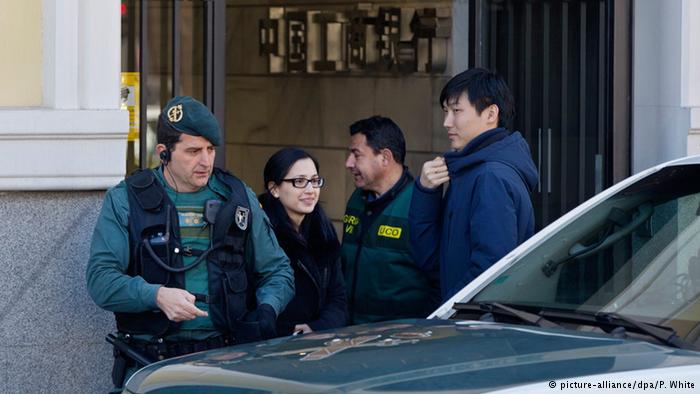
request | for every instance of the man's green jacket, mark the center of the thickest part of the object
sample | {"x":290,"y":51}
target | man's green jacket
{"x":112,"y":289}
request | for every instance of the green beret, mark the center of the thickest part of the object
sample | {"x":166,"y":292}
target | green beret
{"x":189,"y":116}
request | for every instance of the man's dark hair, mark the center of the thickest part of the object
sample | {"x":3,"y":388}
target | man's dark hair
{"x":166,"y":134}
{"x":483,"y":88}
{"x":382,"y":133}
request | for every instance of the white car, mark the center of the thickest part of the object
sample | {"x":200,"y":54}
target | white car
{"x":607,"y":298}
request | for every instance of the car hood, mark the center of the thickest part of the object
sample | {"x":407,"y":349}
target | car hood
{"x":406,"y":355}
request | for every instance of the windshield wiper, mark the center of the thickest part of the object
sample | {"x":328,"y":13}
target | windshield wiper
{"x":666,"y":335}
{"x":663,"y":334}
{"x":616,"y":218}
{"x":527,"y":317}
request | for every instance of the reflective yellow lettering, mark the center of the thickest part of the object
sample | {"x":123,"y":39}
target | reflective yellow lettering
{"x":389,"y":232}
{"x":350,"y":219}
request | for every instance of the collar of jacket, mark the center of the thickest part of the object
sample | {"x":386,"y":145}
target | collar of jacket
{"x":300,"y":245}
{"x":390,"y":195}
{"x":476,"y":151}
{"x":480,"y":142}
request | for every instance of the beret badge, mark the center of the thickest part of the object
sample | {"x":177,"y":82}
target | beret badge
{"x":175,"y":113}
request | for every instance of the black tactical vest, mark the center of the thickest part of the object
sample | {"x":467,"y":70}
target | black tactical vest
{"x":153,"y":218}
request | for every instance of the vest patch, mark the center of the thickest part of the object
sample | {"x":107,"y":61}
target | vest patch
{"x":350,"y":222}
{"x":350,"y":219}
{"x":389,"y":232}
{"x":190,"y":219}
{"x":241,"y":217}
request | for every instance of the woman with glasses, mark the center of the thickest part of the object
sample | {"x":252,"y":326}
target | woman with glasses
{"x":292,"y":190}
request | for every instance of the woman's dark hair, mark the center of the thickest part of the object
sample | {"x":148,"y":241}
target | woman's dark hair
{"x":278,"y":165}
{"x":316,"y":229}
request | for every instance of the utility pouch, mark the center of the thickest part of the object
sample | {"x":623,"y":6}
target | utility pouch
{"x":235,"y":285}
{"x":121,"y":364}
{"x":211,"y":209}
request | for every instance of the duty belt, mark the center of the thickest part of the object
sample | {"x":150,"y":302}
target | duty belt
{"x":162,"y":349}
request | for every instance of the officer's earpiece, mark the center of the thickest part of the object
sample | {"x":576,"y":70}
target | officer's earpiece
{"x":165,"y":157}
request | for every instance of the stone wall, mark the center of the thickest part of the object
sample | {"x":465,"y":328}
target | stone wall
{"x":51,"y":333}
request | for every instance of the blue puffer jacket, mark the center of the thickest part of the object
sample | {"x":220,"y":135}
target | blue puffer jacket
{"x":485,"y":213}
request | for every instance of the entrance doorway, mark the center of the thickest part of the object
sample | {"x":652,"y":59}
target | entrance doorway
{"x":559,"y":57}
{"x":176,"y":47}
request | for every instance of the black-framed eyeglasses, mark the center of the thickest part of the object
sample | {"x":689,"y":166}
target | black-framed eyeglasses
{"x":301,"y":182}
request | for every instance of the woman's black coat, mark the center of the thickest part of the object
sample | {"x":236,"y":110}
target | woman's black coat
{"x":320,"y":299}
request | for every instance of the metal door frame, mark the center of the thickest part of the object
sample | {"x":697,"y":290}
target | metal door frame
{"x":616,"y":138}
{"x":214,"y":67}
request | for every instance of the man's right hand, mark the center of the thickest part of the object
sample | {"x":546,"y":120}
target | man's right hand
{"x":177,"y":304}
{"x":434,"y":173}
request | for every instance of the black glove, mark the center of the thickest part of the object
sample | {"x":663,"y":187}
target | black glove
{"x":266,"y":318}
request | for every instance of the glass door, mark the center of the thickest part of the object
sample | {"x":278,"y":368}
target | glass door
{"x":556,"y":57}
{"x":171,"y":48}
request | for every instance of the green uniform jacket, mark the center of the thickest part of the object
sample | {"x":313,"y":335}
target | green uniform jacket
{"x":112,"y":289}
{"x":382,"y":280}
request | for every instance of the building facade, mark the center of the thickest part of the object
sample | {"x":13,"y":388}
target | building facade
{"x":62,"y":143}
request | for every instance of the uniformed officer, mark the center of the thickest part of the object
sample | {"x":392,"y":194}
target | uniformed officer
{"x":382,"y":280}
{"x":182,"y":254}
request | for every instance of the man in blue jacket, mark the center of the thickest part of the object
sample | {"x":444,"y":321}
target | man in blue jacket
{"x":486,"y":211}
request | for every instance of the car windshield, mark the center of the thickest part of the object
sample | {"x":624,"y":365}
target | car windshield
{"x":636,"y":254}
